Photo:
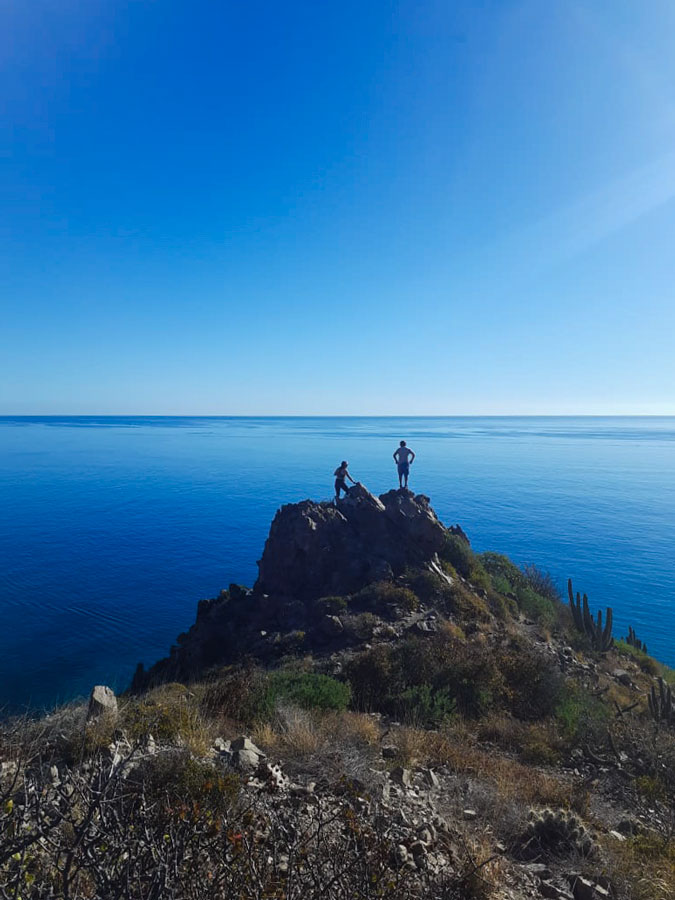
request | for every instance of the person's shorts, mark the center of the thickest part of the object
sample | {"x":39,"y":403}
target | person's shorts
{"x":341,"y":483}
{"x":404,"y":468}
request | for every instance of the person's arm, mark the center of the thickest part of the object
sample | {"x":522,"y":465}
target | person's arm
{"x":350,"y":477}
{"x":396,"y":456}
{"x":412,"y":457}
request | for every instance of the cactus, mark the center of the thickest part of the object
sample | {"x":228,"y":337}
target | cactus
{"x":600,"y":637}
{"x":634,"y":641}
{"x":661,"y":704}
{"x":557,"y":833}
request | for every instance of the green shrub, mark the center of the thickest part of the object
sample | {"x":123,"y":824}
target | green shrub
{"x":539,"y":608}
{"x":479,"y":577}
{"x":425,"y":706}
{"x":330,"y":606}
{"x":458,"y":553}
{"x":310,"y":690}
{"x":580,"y":715}
{"x":452,"y":670}
{"x":501,"y":584}
{"x":382,"y":595}
{"x":506,"y":576}
{"x":534,"y":685}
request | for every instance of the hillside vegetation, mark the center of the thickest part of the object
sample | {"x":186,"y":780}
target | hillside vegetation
{"x":387,"y":714}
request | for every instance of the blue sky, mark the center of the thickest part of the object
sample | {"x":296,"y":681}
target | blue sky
{"x":355,"y":208}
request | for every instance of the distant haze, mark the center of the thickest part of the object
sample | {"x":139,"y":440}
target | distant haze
{"x":307,"y":208}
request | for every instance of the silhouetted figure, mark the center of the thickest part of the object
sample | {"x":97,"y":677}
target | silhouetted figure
{"x":403,"y":457}
{"x":341,"y":473}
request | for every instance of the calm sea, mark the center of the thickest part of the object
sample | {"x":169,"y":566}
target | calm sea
{"x":112,"y":529}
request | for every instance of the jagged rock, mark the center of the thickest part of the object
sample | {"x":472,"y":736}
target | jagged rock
{"x":389,"y":752}
{"x":102,"y":701}
{"x":470,"y":814}
{"x":368,"y":539}
{"x":313,"y":550}
{"x":431,"y":779}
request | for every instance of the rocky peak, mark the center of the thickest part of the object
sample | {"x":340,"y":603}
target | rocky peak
{"x":314,"y":549}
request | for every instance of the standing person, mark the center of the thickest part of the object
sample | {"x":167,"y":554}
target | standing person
{"x":340,"y":474}
{"x":403,"y":457}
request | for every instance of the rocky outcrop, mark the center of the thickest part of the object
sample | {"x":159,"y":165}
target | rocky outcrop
{"x":313,"y":550}
{"x":317,"y":549}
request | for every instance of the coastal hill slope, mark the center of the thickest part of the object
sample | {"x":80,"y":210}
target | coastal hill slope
{"x":384,"y":714}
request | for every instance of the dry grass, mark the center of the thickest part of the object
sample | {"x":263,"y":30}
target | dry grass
{"x":171,"y":714}
{"x":454,"y":748}
{"x":644,"y":867}
{"x":295,"y":732}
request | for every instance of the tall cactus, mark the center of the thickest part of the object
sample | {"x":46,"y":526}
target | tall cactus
{"x":661,"y":704}
{"x":634,"y":641}
{"x":600,"y":637}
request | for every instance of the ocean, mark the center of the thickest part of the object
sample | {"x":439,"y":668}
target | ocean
{"x":113,"y":528}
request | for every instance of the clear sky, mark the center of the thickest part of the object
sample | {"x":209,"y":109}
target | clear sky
{"x":337,"y":208}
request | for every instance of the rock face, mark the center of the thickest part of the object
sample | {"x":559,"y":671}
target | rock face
{"x":317,"y":549}
{"x":314,"y":551}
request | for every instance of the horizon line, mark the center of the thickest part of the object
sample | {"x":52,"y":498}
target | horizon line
{"x":669,"y":415}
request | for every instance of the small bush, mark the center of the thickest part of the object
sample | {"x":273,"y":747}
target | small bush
{"x":541,"y":582}
{"x":502,"y":607}
{"x":581,"y":715}
{"x":479,"y":578}
{"x":539,"y":608}
{"x":309,"y":690}
{"x":361,"y":627}
{"x":330,"y":606}
{"x":462,"y":602}
{"x":240,"y":693}
{"x":371,"y":676}
{"x":506,"y":576}
{"x":383,"y":595}
{"x":170,"y":717}
{"x":647,"y":663}
{"x":534,"y":683}
{"x":291,"y":642}
{"x":178,"y":778}
{"x":427,"y":586}
{"x":459,"y":554}
{"x":422,"y":705}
